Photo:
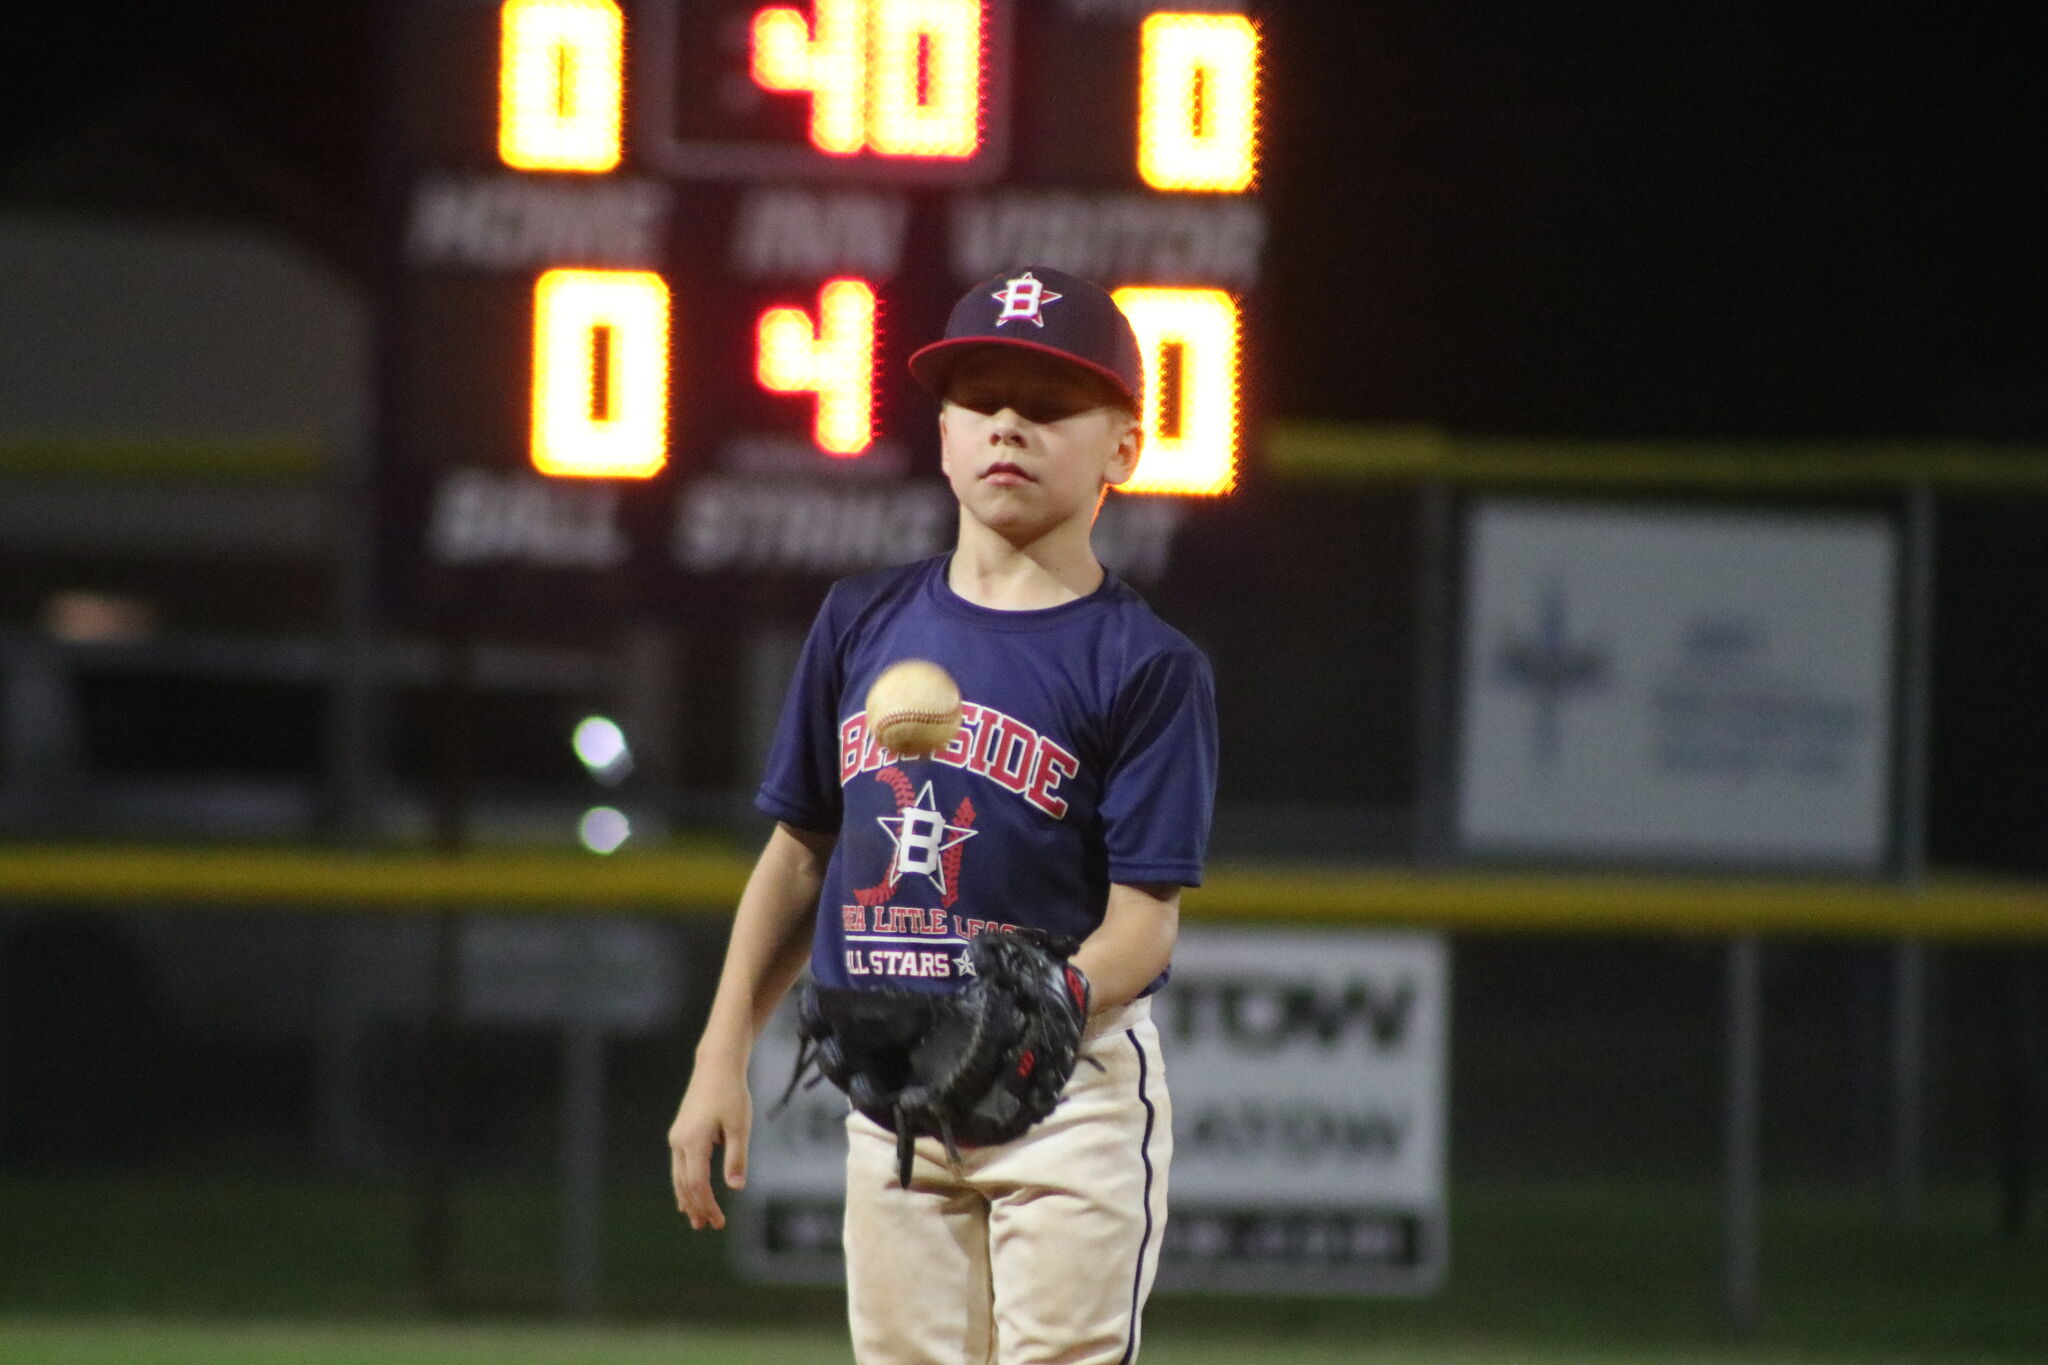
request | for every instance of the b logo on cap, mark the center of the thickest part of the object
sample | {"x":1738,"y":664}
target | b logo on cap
{"x":1024,"y":297}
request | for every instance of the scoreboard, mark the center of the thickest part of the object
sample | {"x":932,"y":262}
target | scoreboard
{"x":655,"y":269}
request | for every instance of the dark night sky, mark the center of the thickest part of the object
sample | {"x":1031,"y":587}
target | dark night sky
{"x":1737,"y":221}
{"x":1792,"y":220}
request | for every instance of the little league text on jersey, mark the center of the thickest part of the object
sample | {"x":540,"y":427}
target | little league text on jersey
{"x":911,"y":922}
{"x":903,"y":924}
{"x":1000,"y":748}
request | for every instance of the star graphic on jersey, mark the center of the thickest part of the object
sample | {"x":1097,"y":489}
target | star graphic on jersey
{"x":965,"y":962}
{"x":922,"y":836}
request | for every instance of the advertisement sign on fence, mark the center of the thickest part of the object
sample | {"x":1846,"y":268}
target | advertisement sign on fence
{"x":1673,"y":685}
{"x":1307,"y":1073}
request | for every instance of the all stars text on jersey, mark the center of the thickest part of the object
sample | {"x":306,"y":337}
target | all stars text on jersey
{"x":1000,"y":748}
{"x":906,"y":924}
{"x":899,"y":962}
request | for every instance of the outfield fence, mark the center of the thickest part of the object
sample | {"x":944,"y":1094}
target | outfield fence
{"x":284,"y":1019}
{"x":286,"y":1077}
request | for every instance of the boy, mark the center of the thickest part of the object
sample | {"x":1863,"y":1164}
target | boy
{"x":1075,"y":798}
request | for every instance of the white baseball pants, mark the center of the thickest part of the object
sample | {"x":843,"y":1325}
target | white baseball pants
{"x":1039,"y":1251}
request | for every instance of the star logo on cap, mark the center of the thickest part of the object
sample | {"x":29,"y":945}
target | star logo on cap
{"x":1024,"y":297}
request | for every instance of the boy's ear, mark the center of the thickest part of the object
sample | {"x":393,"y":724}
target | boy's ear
{"x":1129,"y":447}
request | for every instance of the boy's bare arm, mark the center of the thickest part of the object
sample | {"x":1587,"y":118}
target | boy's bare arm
{"x":1132,"y":945}
{"x":770,"y":941}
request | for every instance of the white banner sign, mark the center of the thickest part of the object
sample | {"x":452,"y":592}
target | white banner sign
{"x":1307,"y":1074}
{"x":1677,"y":686}
{"x":1309,"y":1126}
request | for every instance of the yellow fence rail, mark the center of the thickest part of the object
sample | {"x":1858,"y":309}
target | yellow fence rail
{"x":706,"y":882}
{"x":1341,"y":452}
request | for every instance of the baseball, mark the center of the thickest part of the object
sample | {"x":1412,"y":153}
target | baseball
{"x":914,"y":708}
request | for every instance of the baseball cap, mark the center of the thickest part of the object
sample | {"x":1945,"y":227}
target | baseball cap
{"x":1038,"y":309}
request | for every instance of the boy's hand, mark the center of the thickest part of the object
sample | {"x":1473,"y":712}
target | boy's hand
{"x":716,"y":1111}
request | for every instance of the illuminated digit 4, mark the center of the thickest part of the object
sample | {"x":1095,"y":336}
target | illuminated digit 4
{"x":899,"y":78}
{"x":600,"y":373}
{"x":560,"y":84}
{"x":1188,"y":340}
{"x":827,"y":61}
{"x":833,"y":359}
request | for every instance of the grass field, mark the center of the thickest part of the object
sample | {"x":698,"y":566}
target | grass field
{"x":236,"y":1270}
{"x":186,"y":1343}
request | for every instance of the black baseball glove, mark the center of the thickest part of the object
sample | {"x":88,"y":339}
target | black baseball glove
{"x":977,"y":1066}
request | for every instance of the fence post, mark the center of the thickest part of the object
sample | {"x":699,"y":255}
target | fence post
{"x":1742,"y":1115}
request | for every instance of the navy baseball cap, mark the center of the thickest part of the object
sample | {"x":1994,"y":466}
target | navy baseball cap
{"x":1038,"y":309}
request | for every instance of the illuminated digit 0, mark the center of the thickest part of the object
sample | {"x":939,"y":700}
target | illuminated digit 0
{"x":827,"y":60}
{"x":1188,"y":339}
{"x":560,"y":84}
{"x":834,"y":360}
{"x":600,"y":373}
{"x":925,"y":78}
{"x":1198,"y":92}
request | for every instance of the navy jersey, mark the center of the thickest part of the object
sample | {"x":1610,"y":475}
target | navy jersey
{"x":1086,"y":755}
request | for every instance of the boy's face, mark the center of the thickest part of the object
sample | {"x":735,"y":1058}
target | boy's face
{"x":1028,"y":441}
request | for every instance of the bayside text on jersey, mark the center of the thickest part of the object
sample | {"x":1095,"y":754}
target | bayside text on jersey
{"x":1086,"y":755}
